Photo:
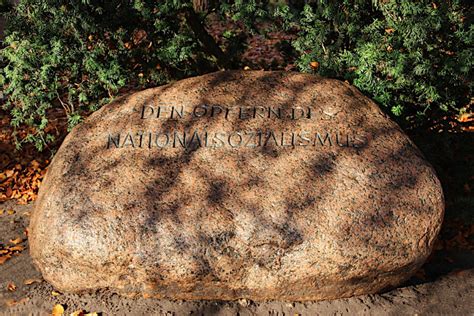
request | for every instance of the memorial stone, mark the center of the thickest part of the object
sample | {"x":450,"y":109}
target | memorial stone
{"x":239,"y":184}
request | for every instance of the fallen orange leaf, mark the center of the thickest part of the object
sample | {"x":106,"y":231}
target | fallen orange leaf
{"x":31,"y":281}
{"x":139,"y":36}
{"x":466,"y":117}
{"x":16,"y":248}
{"x":58,"y":310}
{"x":3,"y":259}
{"x":11,"y":302}
{"x":314,"y":65}
{"x":11,"y":286}
{"x":35,"y":164}
{"x":16,"y":241}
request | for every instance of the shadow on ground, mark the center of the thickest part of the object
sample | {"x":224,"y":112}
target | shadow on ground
{"x":452,"y":156}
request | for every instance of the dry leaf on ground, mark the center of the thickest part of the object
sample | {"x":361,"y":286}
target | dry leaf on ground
{"x":58,"y":310}
{"x":31,"y":281}
{"x":11,"y":286}
{"x":4,"y":259}
{"x":16,"y":241}
{"x":16,"y":248}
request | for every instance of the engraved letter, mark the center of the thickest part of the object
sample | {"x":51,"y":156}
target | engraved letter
{"x":180,"y":113}
{"x":258,"y":111}
{"x":196,"y":109}
{"x":147,"y":108}
{"x":166,"y":140}
{"x":215,"y":110}
{"x":130,"y":142}
{"x":150,"y":144}
{"x":251,"y":135}
{"x":271,"y":135}
{"x":181,"y":141}
{"x":283,"y":140}
{"x":294,"y":114}
{"x":221,"y":140}
{"x":339,"y":139}
{"x":242,"y":114}
{"x":318,"y":137}
{"x":140,"y":135}
{"x":114,"y":141}
{"x":277,"y":113}
{"x":230,"y":139}
{"x":360,"y":141}
{"x":195,"y":136}
{"x":304,"y":138}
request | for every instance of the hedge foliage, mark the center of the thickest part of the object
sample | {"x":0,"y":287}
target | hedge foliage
{"x":414,"y":58}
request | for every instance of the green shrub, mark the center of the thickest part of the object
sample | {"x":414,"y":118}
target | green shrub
{"x":414,"y":58}
{"x":79,"y":54}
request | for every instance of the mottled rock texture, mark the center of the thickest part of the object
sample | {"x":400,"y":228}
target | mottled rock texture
{"x":344,"y":204}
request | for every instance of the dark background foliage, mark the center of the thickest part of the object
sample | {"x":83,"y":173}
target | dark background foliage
{"x":414,"y":58}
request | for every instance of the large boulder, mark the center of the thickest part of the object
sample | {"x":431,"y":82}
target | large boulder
{"x":259,"y":185}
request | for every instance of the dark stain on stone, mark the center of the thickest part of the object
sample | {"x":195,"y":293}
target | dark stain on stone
{"x":323,"y":165}
{"x":180,"y":244}
{"x":218,"y":242}
{"x":302,"y":204}
{"x":348,"y":91}
{"x":254,"y":181}
{"x":270,"y":151}
{"x":76,"y":166}
{"x":290,"y":235}
{"x":217,"y":192}
{"x":158,"y":161}
{"x":204,"y":267}
{"x":406,"y":180}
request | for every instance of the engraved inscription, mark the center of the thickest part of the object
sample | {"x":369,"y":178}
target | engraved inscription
{"x":159,"y":139}
{"x":234,"y":139}
{"x":210,"y":111}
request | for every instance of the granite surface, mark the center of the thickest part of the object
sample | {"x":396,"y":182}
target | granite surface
{"x":259,"y":185}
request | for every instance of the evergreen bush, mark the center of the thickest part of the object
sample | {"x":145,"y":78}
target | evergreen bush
{"x":413,"y":57}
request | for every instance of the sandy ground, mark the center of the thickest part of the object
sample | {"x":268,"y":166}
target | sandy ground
{"x":451,"y":294}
